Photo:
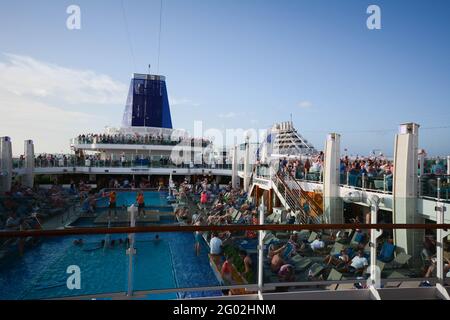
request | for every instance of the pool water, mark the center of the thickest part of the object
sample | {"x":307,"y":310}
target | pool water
{"x":153,"y":200}
{"x":167,"y":263}
{"x":88,"y":222}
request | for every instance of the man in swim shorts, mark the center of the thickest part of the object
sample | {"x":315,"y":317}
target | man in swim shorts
{"x":112,"y":204}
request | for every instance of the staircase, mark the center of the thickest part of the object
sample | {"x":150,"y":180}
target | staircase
{"x":292,"y":196}
{"x":315,"y":207}
{"x":288,"y":198}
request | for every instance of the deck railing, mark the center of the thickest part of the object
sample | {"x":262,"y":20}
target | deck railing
{"x":72,"y":162}
{"x":376,"y":271}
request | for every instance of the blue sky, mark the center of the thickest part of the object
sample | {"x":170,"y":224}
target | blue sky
{"x":232,"y":64}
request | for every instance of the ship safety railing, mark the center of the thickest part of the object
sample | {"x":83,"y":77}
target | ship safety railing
{"x":310,"y":260}
{"x":71,"y":162}
{"x":435,"y":187}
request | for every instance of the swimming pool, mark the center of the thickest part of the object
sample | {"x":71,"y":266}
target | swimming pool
{"x":165,"y":264}
{"x":153,"y":200}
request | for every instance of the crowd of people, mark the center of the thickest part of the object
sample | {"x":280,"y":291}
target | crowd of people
{"x":121,"y":160}
{"x":353,"y":170}
{"x":207,"y":203}
{"x":26,"y":208}
{"x":136,"y":138}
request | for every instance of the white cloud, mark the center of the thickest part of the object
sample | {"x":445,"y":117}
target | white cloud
{"x":37,"y":100}
{"x":305,"y":104}
{"x":25,"y":76}
{"x":182,"y":102}
{"x":228,"y":115}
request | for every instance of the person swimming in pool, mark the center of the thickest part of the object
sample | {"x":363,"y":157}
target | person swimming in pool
{"x":157,"y":239}
{"x":78,"y":242}
{"x":198,"y":239}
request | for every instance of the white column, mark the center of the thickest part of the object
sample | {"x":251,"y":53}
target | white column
{"x":131,"y":250}
{"x":28,"y":178}
{"x":421,"y":162}
{"x":5,"y":164}
{"x":247,"y":164}
{"x":440,"y":236}
{"x":448,"y":165}
{"x":234,"y":168}
{"x":375,"y":272}
{"x":261,"y":249}
{"x":333,"y":205}
{"x":405,"y":187}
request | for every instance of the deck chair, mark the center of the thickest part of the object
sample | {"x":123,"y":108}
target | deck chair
{"x":334,"y":275}
{"x":271,"y":218}
{"x":337,"y":247}
{"x":353,"y":242}
{"x":269,"y":238}
{"x":312,"y":236}
{"x":400,"y":260}
{"x":234,"y":214}
{"x":303,"y":264}
{"x":300,"y":263}
{"x":315,"y":270}
{"x":303,"y":235}
{"x":237,"y":217}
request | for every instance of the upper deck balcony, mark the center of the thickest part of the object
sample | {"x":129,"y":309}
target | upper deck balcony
{"x":137,"y":142}
{"x":72,"y":164}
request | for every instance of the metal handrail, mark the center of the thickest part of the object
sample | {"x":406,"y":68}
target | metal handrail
{"x":302,"y":194}
{"x":290,"y":197}
{"x":234,"y":227}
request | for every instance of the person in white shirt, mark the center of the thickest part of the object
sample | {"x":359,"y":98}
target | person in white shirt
{"x":359,"y":262}
{"x":317,"y":244}
{"x":215,"y":245}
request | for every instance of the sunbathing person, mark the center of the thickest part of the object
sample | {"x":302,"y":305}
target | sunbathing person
{"x":338,"y":260}
{"x":276,"y":262}
{"x":357,"y":265}
{"x":247,"y":262}
{"x":286,"y":273}
{"x":225,"y":271}
{"x":317,"y":244}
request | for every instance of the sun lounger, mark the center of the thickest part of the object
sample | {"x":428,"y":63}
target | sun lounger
{"x":269,"y":238}
{"x":270,"y":219}
{"x":301,"y":263}
{"x":237,"y":217}
{"x":312,"y":236}
{"x":337,"y":247}
{"x":234,"y":214}
{"x":303,"y":235}
{"x":315,"y":270}
{"x":402,"y":258}
{"x":334,"y":275}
